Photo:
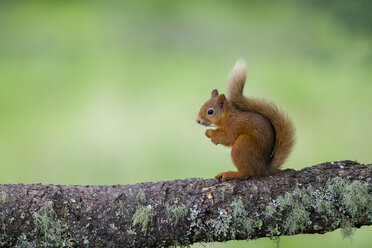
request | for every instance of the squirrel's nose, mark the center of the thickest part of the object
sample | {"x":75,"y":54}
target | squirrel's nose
{"x":198,"y":121}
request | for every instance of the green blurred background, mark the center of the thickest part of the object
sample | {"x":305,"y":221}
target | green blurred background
{"x":108,"y":92}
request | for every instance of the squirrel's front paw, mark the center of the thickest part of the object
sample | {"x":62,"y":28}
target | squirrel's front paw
{"x":208,"y":133}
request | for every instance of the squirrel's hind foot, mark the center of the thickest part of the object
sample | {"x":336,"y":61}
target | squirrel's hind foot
{"x":228,"y":175}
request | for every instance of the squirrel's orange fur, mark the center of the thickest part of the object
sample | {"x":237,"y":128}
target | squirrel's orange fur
{"x":260,"y":135}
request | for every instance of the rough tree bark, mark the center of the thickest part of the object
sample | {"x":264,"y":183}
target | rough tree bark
{"x":317,"y":199}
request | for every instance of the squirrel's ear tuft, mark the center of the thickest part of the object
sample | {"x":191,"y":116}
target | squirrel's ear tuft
{"x":221,"y":100}
{"x":214,"y":93}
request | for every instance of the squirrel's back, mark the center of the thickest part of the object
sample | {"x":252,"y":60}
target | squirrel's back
{"x":283,"y":127}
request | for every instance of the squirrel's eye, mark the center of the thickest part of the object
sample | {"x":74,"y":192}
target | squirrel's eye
{"x":210,"y":112}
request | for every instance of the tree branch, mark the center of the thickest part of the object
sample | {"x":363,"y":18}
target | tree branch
{"x":317,"y":199}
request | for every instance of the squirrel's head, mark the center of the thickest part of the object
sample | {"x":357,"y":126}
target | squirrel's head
{"x":212,"y":112}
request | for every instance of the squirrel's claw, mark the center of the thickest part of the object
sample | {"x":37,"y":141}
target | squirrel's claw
{"x":221,"y":176}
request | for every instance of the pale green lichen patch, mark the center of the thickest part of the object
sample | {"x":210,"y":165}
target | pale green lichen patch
{"x":221,"y":224}
{"x":85,"y":240}
{"x":3,"y":225}
{"x":324,"y":206}
{"x":23,"y":215}
{"x":304,"y":195}
{"x":222,"y":190}
{"x":141,"y":197}
{"x":122,"y":209}
{"x":230,"y":222}
{"x":22,"y":242}
{"x":175,"y":212}
{"x":355,"y":198}
{"x":130,"y":231}
{"x":241,"y":221}
{"x":298,"y":219}
{"x":4,"y":196}
{"x":335,"y":189}
{"x":341,"y":202}
{"x":297,"y":202}
{"x":143,"y":216}
{"x":269,"y":211}
{"x":349,"y":202}
{"x":196,"y":225}
{"x":284,"y":201}
{"x":47,"y":222}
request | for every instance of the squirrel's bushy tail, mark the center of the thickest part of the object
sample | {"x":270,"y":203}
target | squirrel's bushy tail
{"x":284,"y":129}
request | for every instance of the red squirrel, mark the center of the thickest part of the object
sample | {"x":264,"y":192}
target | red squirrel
{"x":260,"y":135}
